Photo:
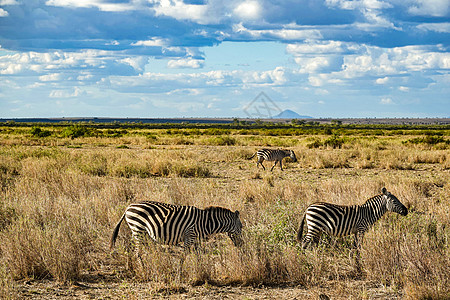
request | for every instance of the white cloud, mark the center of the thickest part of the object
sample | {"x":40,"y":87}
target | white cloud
{"x":189,"y":92}
{"x":51,"y":63}
{"x":284,"y":34}
{"x":315,"y":81}
{"x":313,"y":65}
{"x":179,"y":10}
{"x":85,"y":77}
{"x":358,"y":4}
{"x":185,"y":63}
{"x":248,"y":10}
{"x":50,"y":77}
{"x":11,"y":68}
{"x":3,"y":13}
{"x":435,"y":8}
{"x":401,"y":60}
{"x":383,"y":80}
{"x":319,"y":47}
{"x":154,"y":42}
{"x":386,"y":101}
{"x":101,"y":5}
{"x":8,"y":2}
{"x":275,"y":77}
{"x":67,"y":94}
{"x":437,"y":27}
{"x":137,"y":62}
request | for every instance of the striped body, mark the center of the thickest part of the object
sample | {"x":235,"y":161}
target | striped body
{"x":276,"y":155}
{"x":341,"y":220}
{"x":173,"y":224}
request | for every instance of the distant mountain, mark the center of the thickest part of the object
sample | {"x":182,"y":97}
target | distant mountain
{"x":289,"y":114}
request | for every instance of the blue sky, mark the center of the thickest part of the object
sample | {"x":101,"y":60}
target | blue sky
{"x":199,"y":58}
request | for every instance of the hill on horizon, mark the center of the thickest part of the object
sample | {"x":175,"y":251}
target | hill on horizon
{"x":290,"y":114}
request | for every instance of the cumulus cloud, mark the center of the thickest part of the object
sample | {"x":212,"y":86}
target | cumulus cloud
{"x":60,"y":48}
{"x":314,"y":64}
{"x":285,"y":34}
{"x":3,"y":13}
{"x":76,"y":92}
{"x":8,"y":2}
{"x":320,"y":47}
{"x":105,"y":62}
{"x":50,"y":77}
{"x":154,"y":42}
{"x":179,"y":10}
{"x":434,"y":8}
{"x":383,"y":80}
{"x":437,"y":27}
{"x":248,"y":10}
{"x":101,"y":5}
{"x":185,"y":63}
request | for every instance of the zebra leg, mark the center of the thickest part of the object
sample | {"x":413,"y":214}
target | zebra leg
{"x":357,"y":244}
{"x":260,"y":162}
{"x":312,"y":237}
{"x":281,"y":165}
{"x":305,"y":243}
{"x":137,"y":240}
{"x":189,"y":239}
{"x":273,"y":165}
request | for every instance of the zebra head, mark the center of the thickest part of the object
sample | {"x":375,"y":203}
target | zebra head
{"x":292,"y":156}
{"x":393,"y":204}
{"x":235,"y":231}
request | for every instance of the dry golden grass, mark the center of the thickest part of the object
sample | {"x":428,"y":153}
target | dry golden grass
{"x":59,"y":204}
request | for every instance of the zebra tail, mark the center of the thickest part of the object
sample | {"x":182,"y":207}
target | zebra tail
{"x":115,"y":233}
{"x":252,"y":156}
{"x":300,"y":229}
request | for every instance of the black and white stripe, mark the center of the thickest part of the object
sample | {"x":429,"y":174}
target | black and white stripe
{"x":172,"y":224}
{"x":276,"y":155}
{"x":341,"y":220}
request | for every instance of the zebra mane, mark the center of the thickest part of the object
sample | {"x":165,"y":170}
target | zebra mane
{"x":216,"y":208}
{"x":372,"y":199}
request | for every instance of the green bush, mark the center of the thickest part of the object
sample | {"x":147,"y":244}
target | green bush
{"x":334,"y":141}
{"x":316,"y":143}
{"x":223,"y":141}
{"x":38,"y":132}
{"x":429,"y":140}
{"x":78,"y":131}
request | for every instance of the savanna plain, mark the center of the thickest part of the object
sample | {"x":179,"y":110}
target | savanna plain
{"x":63,"y":187}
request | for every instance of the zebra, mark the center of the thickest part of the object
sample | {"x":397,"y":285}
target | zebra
{"x":339,"y":220}
{"x":276,"y":155}
{"x":171,"y":224}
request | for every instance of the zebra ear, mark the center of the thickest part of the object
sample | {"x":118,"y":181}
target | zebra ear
{"x":237,"y":213}
{"x":384,"y":191}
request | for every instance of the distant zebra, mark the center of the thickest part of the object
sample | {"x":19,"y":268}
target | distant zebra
{"x":341,"y":220}
{"x":276,"y":155}
{"x":171,"y":224}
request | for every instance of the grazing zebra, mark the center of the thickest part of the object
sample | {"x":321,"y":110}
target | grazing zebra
{"x":341,"y":220}
{"x":172,"y":224}
{"x":276,"y":155}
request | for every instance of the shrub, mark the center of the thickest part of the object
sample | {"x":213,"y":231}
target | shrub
{"x":191,"y":171}
{"x":315,"y":144}
{"x":428,"y":140}
{"x":78,"y":131}
{"x":222,"y":141}
{"x":38,"y":132}
{"x":334,"y":141}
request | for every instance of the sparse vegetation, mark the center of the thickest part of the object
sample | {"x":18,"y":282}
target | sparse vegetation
{"x":62,"y":192}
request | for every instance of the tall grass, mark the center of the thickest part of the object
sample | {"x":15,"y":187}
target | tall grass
{"x":58,"y":206}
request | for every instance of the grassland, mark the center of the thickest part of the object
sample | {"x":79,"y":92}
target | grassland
{"x":63,"y":188}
